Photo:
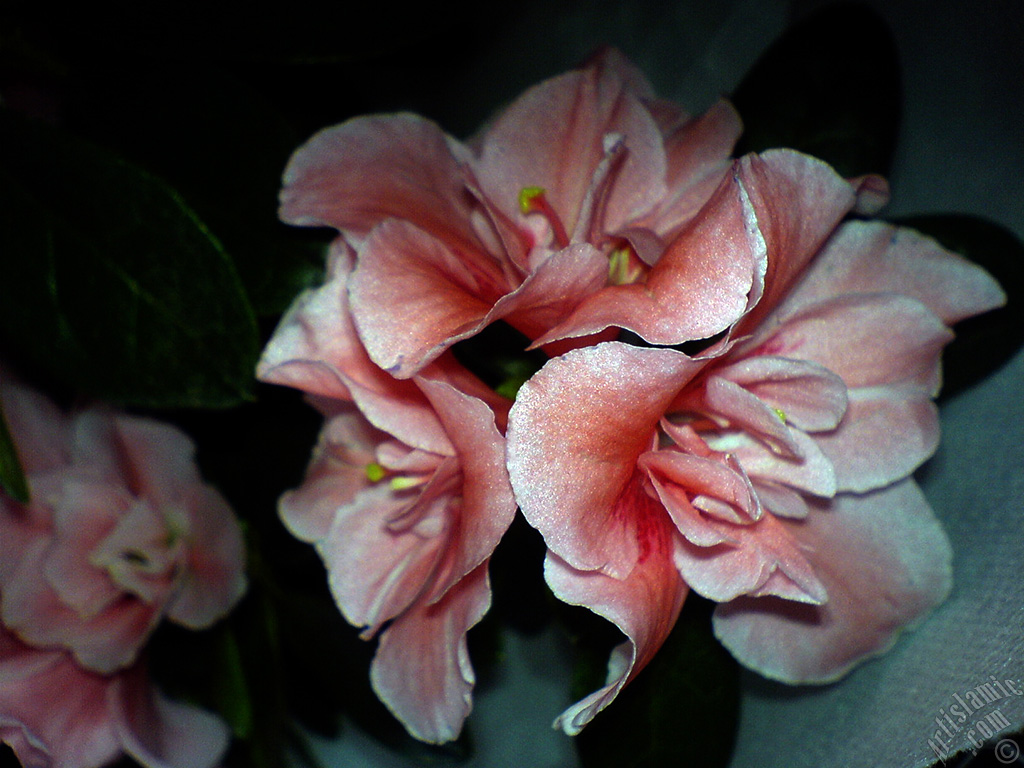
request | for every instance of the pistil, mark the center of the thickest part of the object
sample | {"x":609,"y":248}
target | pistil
{"x":534,"y":200}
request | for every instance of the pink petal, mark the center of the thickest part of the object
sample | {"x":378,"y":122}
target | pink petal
{"x":51,"y":711}
{"x":867,"y":339}
{"x":214,"y":579}
{"x":688,"y":520}
{"x":698,"y":287}
{"x":703,"y":477}
{"x":553,"y":135}
{"x":486,"y":506}
{"x":336,"y":473}
{"x":866,"y":257}
{"x":161,"y":733}
{"x":375,"y":573}
{"x":39,"y":429}
{"x":83,"y":517}
{"x":372,"y":168}
{"x":812,"y":397}
{"x":422,"y":670}
{"x":885,"y":562}
{"x":575,"y":433}
{"x":780,"y":500}
{"x":549,"y":294}
{"x":810,"y":471}
{"x":760,"y":558}
{"x":140,"y":553}
{"x":644,"y":605}
{"x":872,"y":193}
{"x":160,"y":460}
{"x":316,"y":339}
{"x":103,"y":642}
{"x":798,"y":201}
{"x":698,"y":154}
{"x":745,"y":411}
{"x":887,"y":433}
{"x":412,"y":296}
{"x":316,"y":349}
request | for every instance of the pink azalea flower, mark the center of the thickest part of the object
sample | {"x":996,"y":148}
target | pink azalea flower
{"x":585,"y":206}
{"x":405,"y":498}
{"x":773,"y":478}
{"x":55,"y":714}
{"x":120,"y":533}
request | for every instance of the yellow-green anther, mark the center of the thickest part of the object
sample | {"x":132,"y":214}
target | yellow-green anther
{"x":527,"y":198}
{"x":375,"y":472}
{"x":401,"y":482}
{"x":618,"y":266}
{"x":781,"y":414}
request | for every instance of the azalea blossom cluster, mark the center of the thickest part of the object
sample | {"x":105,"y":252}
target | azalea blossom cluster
{"x":766,"y":467}
{"x":119,"y":534}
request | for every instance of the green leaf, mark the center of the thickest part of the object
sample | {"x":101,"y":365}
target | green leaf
{"x":222,"y":146}
{"x":111,"y":283}
{"x":830,"y":87}
{"x":985,"y":342}
{"x":682,"y":709}
{"x":231,"y":691}
{"x":12,"y":478}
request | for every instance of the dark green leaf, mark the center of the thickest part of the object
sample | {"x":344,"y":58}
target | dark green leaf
{"x":222,"y":146}
{"x":985,"y":342}
{"x":682,"y":709}
{"x":12,"y":478}
{"x":830,"y":87}
{"x":232,"y":693}
{"x":111,"y":284}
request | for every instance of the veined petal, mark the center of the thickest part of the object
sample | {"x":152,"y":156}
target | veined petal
{"x":550,"y":293}
{"x":316,"y":340}
{"x":798,"y":201}
{"x":872,"y":256}
{"x":700,"y":476}
{"x":811,"y":397}
{"x":885,"y":562}
{"x":688,"y":520}
{"x":699,"y":286}
{"x":376,"y":167}
{"x":744,"y":410}
{"x":811,"y":471}
{"x":337,"y":472}
{"x":575,"y":433}
{"x":698,"y":153}
{"x":376,"y":573}
{"x":412,"y":296}
{"x":867,"y":339}
{"x":552,"y":137}
{"x":486,"y":506}
{"x":315,"y":349}
{"x":760,"y":558}
{"x":887,"y":433}
{"x":422,"y":670}
{"x":644,"y":605}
